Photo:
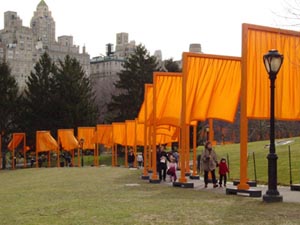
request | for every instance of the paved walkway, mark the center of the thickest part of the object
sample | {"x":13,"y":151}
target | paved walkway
{"x":285,"y":191}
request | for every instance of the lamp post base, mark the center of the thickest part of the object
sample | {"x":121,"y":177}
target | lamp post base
{"x":272,"y":198}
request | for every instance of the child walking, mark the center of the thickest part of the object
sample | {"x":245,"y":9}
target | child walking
{"x":223,"y":170}
{"x":172,"y":169}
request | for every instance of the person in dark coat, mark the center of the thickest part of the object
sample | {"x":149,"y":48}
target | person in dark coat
{"x":130,"y":159}
{"x":162,"y":160}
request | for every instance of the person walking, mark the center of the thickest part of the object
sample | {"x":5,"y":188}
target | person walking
{"x":223,"y":170}
{"x":209,"y":163}
{"x":130,"y":159}
{"x":162,"y":160}
{"x":172,"y":169}
{"x":140,"y":160}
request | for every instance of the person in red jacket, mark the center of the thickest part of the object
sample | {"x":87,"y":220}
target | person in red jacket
{"x":223,"y":170}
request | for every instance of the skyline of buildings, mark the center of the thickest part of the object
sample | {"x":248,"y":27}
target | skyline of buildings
{"x":21,"y":47}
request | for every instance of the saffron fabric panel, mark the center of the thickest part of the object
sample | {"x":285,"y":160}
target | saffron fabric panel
{"x":164,"y":139}
{"x":104,"y":134}
{"x":212,"y":86}
{"x":130,"y":135}
{"x":147,"y":105}
{"x":16,"y":140}
{"x":88,"y":135}
{"x":45,"y":142}
{"x":168,"y":93}
{"x":119,"y":133}
{"x":66,"y":139}
{"x":258,"y":41}
{"x":140,"y":134}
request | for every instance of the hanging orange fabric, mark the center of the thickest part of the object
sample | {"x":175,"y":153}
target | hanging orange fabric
{"x":148,"y":102}
{"x":45,"y":142}
{"x":88,"y":135}
{"x":212,"y":86}
{"x":66,"y":139}
{"x":104,"y":134}
{"x":259,"y":40}
{"x":140,"y":134}
{"x":168,"y":88}
{"x":130,"y":132}
{"x":119,"y":133}
{"x":16,"y":140}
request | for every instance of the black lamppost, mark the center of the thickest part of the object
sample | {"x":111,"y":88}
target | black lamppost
{"x":81,"y":141}
{"x":273,"y":61}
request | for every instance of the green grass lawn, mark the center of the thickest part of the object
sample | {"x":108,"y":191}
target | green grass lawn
{"x":99,"y":195}
{"x":255,"y":149}
{"x":232,"y":151}
{"x":260,"y":152}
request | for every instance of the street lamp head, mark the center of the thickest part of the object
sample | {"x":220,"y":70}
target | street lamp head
{"x":273,"y":61}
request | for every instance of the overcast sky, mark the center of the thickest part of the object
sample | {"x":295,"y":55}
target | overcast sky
{"x":168,"y":25}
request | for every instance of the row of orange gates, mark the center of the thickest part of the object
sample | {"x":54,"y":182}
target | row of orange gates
{"x":129,"y":134}
{"x":209,"y":87}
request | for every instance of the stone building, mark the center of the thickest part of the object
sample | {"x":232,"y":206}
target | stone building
{"x":104,"y":71}
{"x":21,"y":47}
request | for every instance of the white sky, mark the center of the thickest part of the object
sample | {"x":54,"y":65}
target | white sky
{"x":168,"y":25}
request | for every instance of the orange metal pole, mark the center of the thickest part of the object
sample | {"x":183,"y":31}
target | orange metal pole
{"x":145,"y":170}
{"x":243,"y":185}
{"x":112,"y":155}
{"x":73,"y":157}
{"x":211,"y":130}
{"x":150,"y":149}
{"x":183,"y":127}
{"x":24,"y":149}
{"x":49,"y":160}
{"x":146,"y":159}
{"x":95,"y":154}
{"x":78,"y":157}
{"x":194,"y":149}
{"x":179,"y":147}
{"x":116,"y":154}
{"x":126,"y":156}
{"x":36,"y":151}
{"x":58,"y":151}
{"x":187,"y":152}
{"x":13,"y":153}
{"x":126,"y":146}
{"x":154,"y":174}
{"x":135,"y":147}
{"x":98,"y":155}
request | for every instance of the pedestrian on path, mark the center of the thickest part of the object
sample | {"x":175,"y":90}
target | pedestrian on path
{"x":162,"y":159}
{"x":209,"y":162}
{"x":140,"y":160}
{"x":223,"y":170}
{"x":130,"y":159}
{"x":172,"y":169}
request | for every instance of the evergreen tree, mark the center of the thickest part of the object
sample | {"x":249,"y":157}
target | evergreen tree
{"x":9,"y":102}
{"x":171,"y":66}
{"x":39,"y":108}
{"x":137,"y":70}
{"x":74,"y":96}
